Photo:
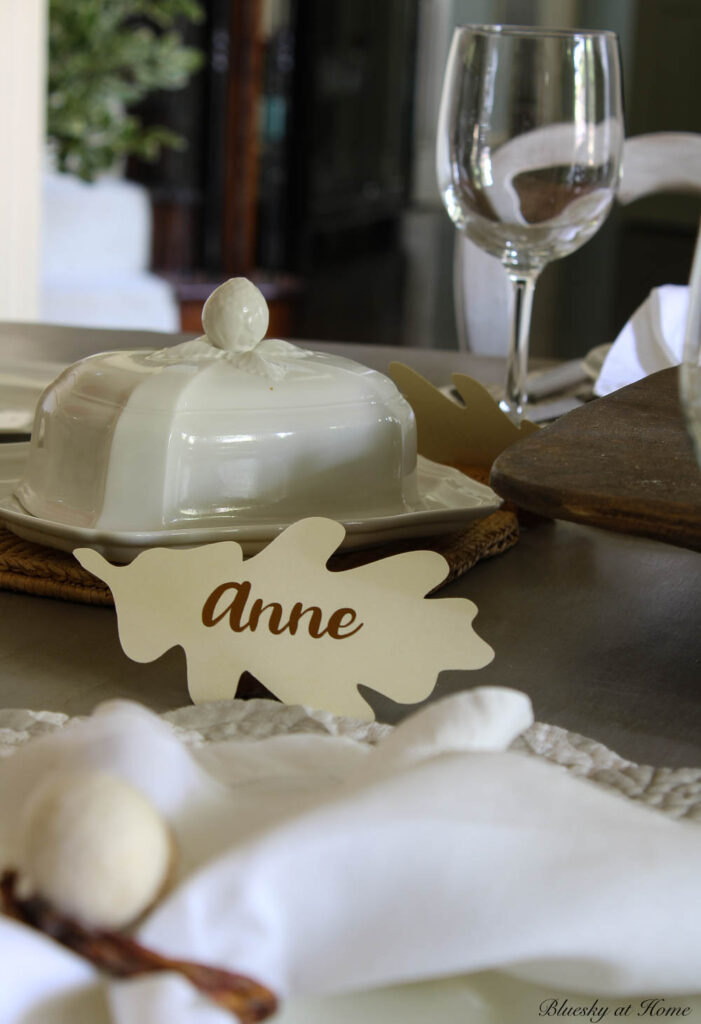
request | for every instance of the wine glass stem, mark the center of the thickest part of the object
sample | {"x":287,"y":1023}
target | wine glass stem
{"x":516,"y":394}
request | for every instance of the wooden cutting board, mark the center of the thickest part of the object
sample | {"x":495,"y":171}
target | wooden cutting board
{"x":624,"y":462}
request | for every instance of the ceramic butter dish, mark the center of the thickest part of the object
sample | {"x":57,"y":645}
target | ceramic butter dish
{"x":219,"y":429}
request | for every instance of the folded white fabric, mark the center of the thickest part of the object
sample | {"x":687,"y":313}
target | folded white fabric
{"x":318,"y":864}
{"x":652,"y":340}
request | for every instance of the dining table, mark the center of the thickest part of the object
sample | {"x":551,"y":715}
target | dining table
{"x":599,"y":628}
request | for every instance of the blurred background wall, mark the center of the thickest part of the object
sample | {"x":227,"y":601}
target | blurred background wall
{"x":22,"y":125}
{"x":308,"y":164}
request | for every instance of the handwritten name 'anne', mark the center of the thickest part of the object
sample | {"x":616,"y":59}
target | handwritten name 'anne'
{"x":243,"y":617}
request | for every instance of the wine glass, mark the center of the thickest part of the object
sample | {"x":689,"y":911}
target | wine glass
{"x":530,"y":135}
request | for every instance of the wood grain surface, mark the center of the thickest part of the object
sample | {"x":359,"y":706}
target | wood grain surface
{"x":623,"y":462}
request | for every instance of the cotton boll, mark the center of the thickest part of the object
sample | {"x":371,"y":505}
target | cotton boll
{"x":94,"y":847}
{"x":235,"y":316}
{"x":488,"y":718}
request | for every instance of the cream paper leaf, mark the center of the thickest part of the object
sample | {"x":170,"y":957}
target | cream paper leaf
{"x":309,"y":634}
{"x":472,"y":434}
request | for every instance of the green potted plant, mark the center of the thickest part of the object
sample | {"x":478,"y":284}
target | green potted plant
{"x":105,"y":56}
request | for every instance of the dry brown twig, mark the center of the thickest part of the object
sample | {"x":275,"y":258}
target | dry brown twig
{"x":122,"y":957}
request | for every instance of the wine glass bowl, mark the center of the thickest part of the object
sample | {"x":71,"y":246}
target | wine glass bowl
{"x":530,"y":136}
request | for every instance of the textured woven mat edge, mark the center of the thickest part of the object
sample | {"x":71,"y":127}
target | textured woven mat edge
{"x":30,"y":568}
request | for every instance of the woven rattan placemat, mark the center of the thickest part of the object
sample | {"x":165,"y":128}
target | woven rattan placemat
{"x":34,"y":569}
{"x":675,"y":792}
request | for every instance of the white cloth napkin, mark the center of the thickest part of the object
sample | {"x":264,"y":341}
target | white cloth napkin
{"x":318,"y":864}
{"x":652,"y":340}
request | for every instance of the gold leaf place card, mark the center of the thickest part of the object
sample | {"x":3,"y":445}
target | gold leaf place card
{"x":310,"y":635}
{"x":472,"y":434}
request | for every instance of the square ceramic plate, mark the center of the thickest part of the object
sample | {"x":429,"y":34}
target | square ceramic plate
{"x":447,"y":501}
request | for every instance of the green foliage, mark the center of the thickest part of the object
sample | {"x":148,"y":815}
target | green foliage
{"x":104,"y":57}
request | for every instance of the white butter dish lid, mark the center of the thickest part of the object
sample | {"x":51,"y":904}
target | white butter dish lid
{"x":197,"y":434}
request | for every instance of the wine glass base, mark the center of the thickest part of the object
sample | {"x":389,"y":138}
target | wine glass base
{"x":516,"y":411}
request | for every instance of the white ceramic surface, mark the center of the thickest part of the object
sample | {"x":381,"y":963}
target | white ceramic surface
{"x":21,"y":386}
{"x":446,"y":501}
{"x":193,"y":435}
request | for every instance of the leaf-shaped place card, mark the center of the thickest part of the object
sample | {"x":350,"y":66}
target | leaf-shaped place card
{"x":308,"y":634}
{"x":472,"y":434}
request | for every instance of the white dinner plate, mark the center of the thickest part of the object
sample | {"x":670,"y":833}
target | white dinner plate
{"x":447,"y":501}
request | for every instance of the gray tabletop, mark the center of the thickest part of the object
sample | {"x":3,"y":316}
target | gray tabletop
{"x":600,"y":629}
